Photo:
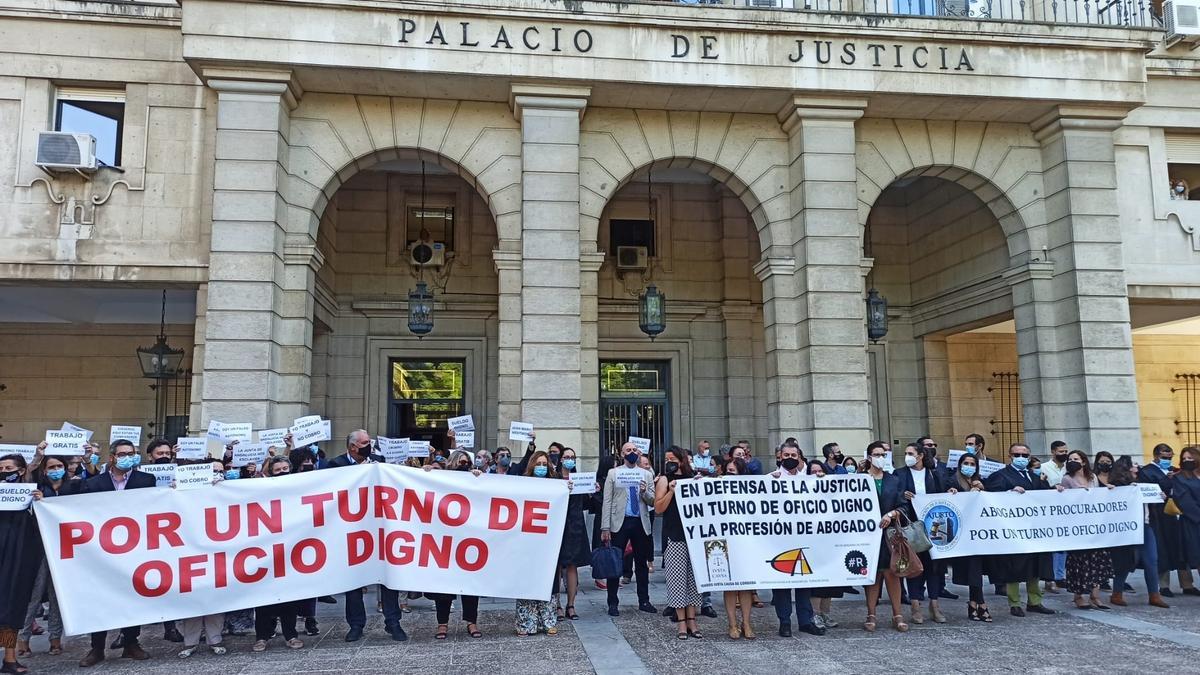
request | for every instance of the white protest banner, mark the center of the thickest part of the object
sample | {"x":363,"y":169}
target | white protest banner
{"x":418,"y":449}
{"x":164,"y":474}
{"x":1151,"y":493}
{"x":26,"y":451}
{"x":760,"y":532}
{"x":465,"y":439}
{"x":583,"y":482}
{"x":192,"y":448}
{"x":327,"y":429}
{"x":308,"y":430}
{"x":16,"y":496}
{"x":642,"y":444}
{"x":250,"y":453}
{"x":988,"y":467}
{"x":273,"y":436}
{"x":464,"y":423}
{"x":1037,"y":521}
{"x":64,"y":443}
{"x":167,"y":554}
{"x":394,"y":450}
{"x":127,"y":433}
{"x":952,"y":458}
{"x":67,"y":426}
{"x":625,"y":477}
{"x":193,"y":476}
{"x":520,"y":431}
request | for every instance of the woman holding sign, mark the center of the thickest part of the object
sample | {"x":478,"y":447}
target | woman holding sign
{"x":20,"y":558}
{"x":53,"y":481}
{"x":535,"y":615}
{"x":969,"y":570}
{"x":891,"y":500}
{"x":682,"y":595}
{"x":1086,"y":569}
{"x":283,"y":612}
{"x":1184,"y":490}
{"x":576,"y":550}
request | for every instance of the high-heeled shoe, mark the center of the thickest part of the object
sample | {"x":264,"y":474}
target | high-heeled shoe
{"x":748,"y":632}
{"x":869,"y":624}
{"x":735,"y":633}
{"x":898,"y":623}
{"x":973,"y":612}
{"x":917,"y":617}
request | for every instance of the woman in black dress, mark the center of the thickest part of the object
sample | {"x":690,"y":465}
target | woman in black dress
{"x":969,"y":570}
{"x":20,"y":558}
{"x":576,"y":550}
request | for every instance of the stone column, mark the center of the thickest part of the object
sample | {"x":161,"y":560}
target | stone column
{"x":589,"y":356}
{"x":831,"y":336}
{"x":1071,"y":309}
{"x":258,"y":327}
{"x":786,"y":415}
{"x":508,"y":379}
{"x":551,"y":268}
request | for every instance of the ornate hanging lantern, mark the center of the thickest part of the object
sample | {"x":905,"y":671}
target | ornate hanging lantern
{"x":877,"y":321}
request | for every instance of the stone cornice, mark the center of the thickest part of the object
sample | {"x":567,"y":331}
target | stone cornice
{"x":549,"y":97}
{"x":808,"y":107}
{"x":506,"y":260}
{"x":1078,"y":118}
{"x":249,"y":81}
{"x":768,"y":267}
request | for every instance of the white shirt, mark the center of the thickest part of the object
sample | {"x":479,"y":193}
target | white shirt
{"x":918,"y":481}
{"x":1052,"y":473}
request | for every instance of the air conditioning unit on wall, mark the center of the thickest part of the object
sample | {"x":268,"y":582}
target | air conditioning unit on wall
{"x":427,"y":253}
{"x":1181,"y":18}
{"x":633,"y":257}
{"x":65,"y":150}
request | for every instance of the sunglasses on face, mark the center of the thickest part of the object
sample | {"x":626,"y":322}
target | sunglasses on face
{"x":1020,"y":454}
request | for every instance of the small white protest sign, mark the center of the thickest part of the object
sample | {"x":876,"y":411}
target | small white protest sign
{"x":520,"y":431}
{"x":460,"y":424}
{"x":16,"y":496}
{"x":164,"y":474}
{"x":250,"y":453}
{"x":127,"y":433}
{"x":64,"y":443}
{"x":193,"y":476}
{"x":583,"y":482}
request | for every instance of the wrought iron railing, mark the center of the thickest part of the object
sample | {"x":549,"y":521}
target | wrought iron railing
{"x":1187,"y":402}
{"x":1008,"y":421}
{"x":1137,"y":13}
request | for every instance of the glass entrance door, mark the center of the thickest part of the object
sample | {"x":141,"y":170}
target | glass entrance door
{"x":422,"y":395}
{"x":635,"y":401}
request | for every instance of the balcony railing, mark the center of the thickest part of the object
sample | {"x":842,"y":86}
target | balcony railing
{"x":1125,"y":13}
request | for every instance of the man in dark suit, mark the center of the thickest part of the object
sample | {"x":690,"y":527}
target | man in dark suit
{"x":122,"y":474}
{"x":1025,"y":567}
{"x":358,"y":452}
{"x":1165,"y":530}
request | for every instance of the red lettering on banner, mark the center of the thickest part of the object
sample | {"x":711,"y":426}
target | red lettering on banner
{"x":317,"y":503}
{"x":385,"y":498}
{"x":132,"y":535}
{"x":359,"y":547}
{"x":343,"y":499}
{"x":256,"y":517}
{"x":279,"y":558}
{"x":511,"y":513}
{"x":140,"y":585}
{"x":162,"y":526}
{"x":481,"y":554}
{"x":235,"y":523}
{"x":220,"y":559}
{"x":423,"y":508}
{"x":243,"y":575}
{"x":188,"y":570}
{"x":404,"y":554}
{"x":318,"y":548}
{"x":464,"y":509}
{"x":440,"y":554}
{"x":71,"y":535}
{"x":536,"y":512}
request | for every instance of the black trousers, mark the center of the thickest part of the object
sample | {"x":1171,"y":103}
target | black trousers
{"x":129,"y":635}
{"x":643,"y":548}
{"x":265,"y":617}
{"x":442,"y":601}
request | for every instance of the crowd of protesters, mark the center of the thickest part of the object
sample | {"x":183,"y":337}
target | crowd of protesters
{"x":624,"y":518}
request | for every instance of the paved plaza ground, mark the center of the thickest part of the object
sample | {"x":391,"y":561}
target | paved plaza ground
{"x":1134,"y":639}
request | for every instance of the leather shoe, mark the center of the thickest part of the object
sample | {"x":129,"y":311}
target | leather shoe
{"x":310,"y":626}
{"x":785,"y":630}
{"x":135,"y":652}
{"x":613,"y":611}
{"x":948,"y":595}
{"x":354,"y":634}
{"x":647,"y":607}
{"x":1016,"y":611}
{"x":1167,"y":593}
{"x":118,"y":641}
{"x":812,"y":629}
{"x":1191,"y":591}
{"x":173,"y":635}
{"x":1039,"y":609}
{"x":708,"y":611}
{"x":398,"y":634}
{"x":92,"y":658}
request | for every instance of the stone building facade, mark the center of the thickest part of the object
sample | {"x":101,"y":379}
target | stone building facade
{"x":1005,"y":184}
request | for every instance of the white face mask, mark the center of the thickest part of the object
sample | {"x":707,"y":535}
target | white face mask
{"x":1178,"y":189}
{"x":878,"y":462}
{"x":909,"y":460}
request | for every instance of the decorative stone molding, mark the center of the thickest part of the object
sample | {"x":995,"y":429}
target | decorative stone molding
{"x":1030,"y":271}
{"x":552,"y":97}
{"x":769,"y":267}
{"x":249,"y":81}
{"x":591,"y":262}
{"x":506,"y":260}
{"x":298,"y":251}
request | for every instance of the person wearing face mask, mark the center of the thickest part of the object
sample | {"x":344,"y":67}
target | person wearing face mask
{"x":303,"y":460}
{"x":784,"y":599}
{"x":20,"y":558}
{"x":969,"y":570}
{"x":159,"y":451}
{"x":833,"y":459}
{"x":1184,"y":489}
{"x":1088,"y":568}
{"x":1167,"y":533}
{"x":1102,"y":464}
{"x":1125,"y":559}
{"x":850,"y":465}
{"x":284,"y":613}
{"x":533,"y":616}
{"x":483,"y":460}
{"x":210,"y":626}
{"x":624,"y":518}
{"x":890,"y":490}
{"x":518,"y":468}
{"x":1052,"y":473}
{"x":53,"y":480}
{"x":576,"y":549}
{"x":503,"y":460}
{"x":459,"y":461}
{"x":554,"y":453}
{"x":920,"y":479}
{"x":682,"y":595}
{"x":122,"y":474}
{"x":1030,"y":568}
{"x":973,"y":444}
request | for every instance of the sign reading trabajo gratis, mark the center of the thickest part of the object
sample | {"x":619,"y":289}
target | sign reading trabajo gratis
{"x":695,"y":47}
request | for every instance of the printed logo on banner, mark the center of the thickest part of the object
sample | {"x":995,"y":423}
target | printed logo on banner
{"x":856,"y":563}
{"x":792,"y":563}
{"x":941,"y":519}
{"x":716,"y":557}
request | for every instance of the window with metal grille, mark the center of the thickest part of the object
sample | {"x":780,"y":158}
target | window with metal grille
{"x":1187,"y":403}
{"x":1008,"y":424}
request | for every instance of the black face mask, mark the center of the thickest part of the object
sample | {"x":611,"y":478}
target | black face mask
{"x":1188,"y":465}
{"x":463,"y":467}
{"x":790,"y":463}
{"x":306,"y":467}
{"x":632,"y":457}
{"x":1060,"y":458}
{"x":163,"y":460}
{"x":554,"y":457}
{"x":839,"y":458}
{"x":671,"y":468}
{"x":364,"y":451}
{"x":1104,"y":467}
{"x":1073,"y":466}
{"x":10,"y":476}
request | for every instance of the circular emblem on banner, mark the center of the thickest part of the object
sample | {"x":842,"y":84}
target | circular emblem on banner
{"x":941,"y":519}
{"x":856,"y":563}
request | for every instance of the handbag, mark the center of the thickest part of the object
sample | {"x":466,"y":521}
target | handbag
{"x":1171,"y":508}
{"x":606,"y":562}
{"x":914,"y":532}
{"x":905,"y":562}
